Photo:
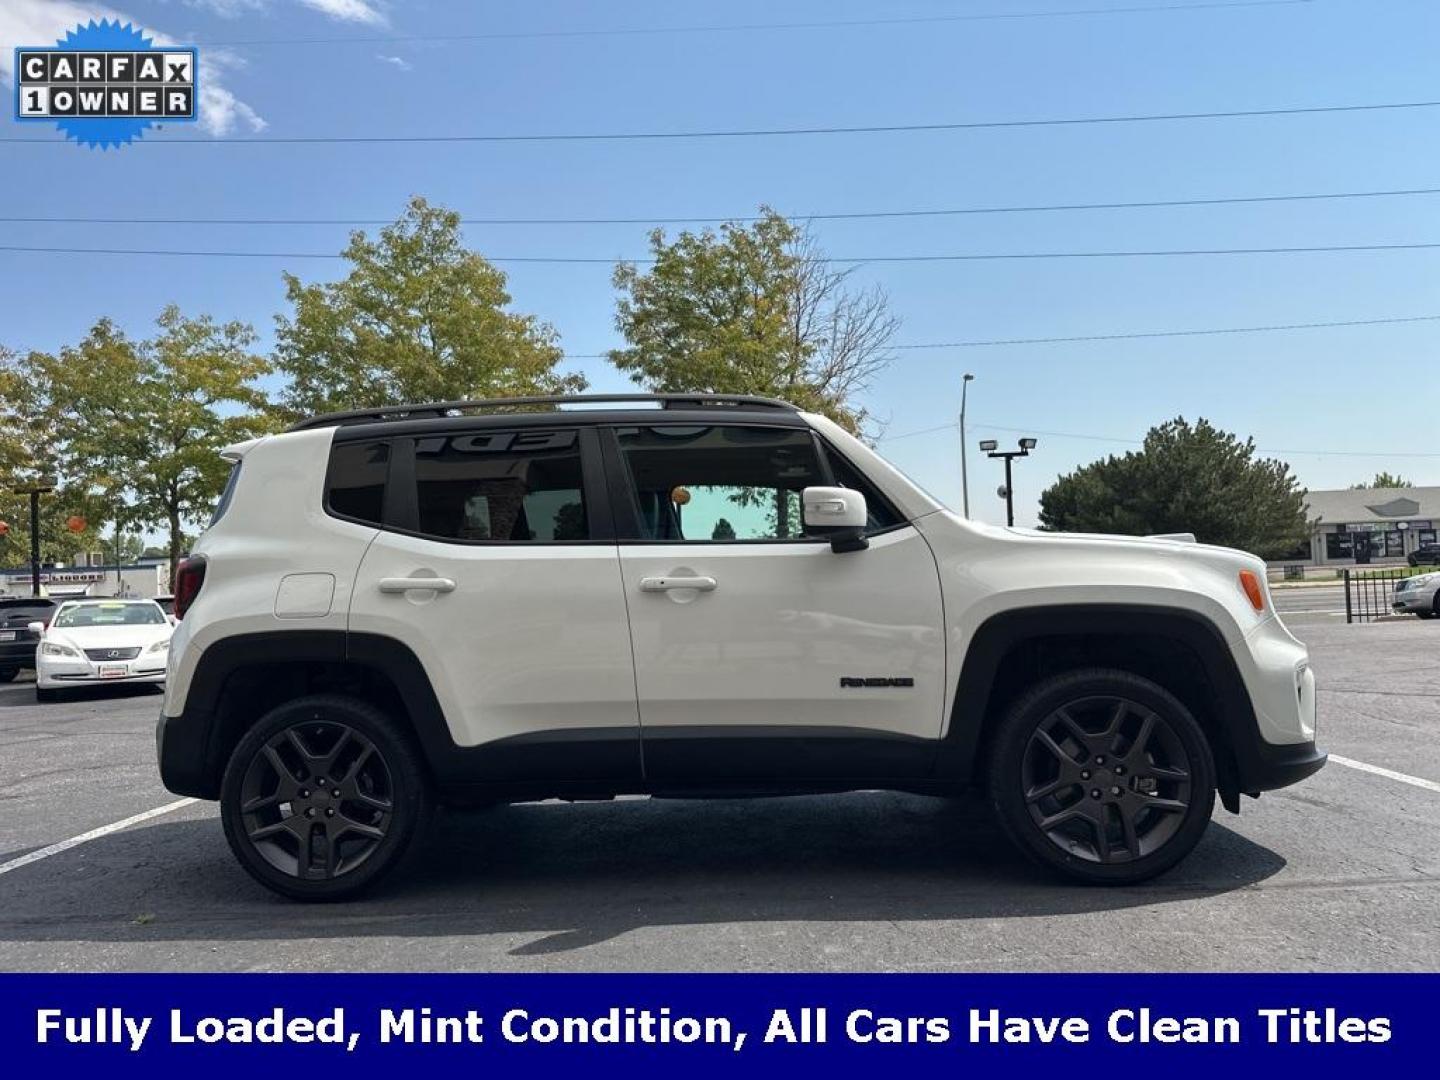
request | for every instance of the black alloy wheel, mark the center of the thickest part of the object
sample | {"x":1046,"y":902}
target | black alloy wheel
{"x":1103,"y":775}
{"x":322,"y":797}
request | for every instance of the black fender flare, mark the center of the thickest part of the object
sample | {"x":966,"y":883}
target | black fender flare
{"x":1251,"y":765}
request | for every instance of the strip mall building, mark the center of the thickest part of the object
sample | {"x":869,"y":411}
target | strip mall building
{"x":1387,"y":523}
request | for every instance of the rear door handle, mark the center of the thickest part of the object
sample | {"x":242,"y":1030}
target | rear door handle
{"x":665,"y":584}
{"x":416,"y":584}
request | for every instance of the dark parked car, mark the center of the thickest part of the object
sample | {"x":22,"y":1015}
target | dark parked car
{"x":1425,"y":555}
{"x":17,"y":641}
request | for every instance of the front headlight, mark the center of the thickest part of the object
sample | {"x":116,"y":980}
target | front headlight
{"x":159,"y":646}
{"x":51,"y":648}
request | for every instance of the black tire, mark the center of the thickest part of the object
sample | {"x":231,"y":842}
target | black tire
{"x":8,"y":674}
{"x":1143,"y":777}
{"x":43,"y":695}
{"x":317,"y":837}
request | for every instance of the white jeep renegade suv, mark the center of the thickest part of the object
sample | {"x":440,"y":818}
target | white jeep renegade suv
{"x":479,"y":602}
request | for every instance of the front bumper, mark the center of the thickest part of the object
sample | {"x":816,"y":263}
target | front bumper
{"x":58,"y":672}
{"x":1413,"y":600}
{"x":1271,"y":767}
{"x":1279,"y":748}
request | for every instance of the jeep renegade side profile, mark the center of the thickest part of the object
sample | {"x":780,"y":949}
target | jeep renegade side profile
{"x":479,"y":602}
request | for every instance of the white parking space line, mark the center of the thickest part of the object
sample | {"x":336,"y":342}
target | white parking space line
{"x":93,"y":834}
{"x":1349,"y":763}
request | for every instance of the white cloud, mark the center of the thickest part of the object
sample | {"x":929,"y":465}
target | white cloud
{"x":42,"y":22}
{"x":397,"y":61}
{"x":357,"y":11}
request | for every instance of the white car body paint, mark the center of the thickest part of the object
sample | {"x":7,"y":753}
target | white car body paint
{"x":542,"y":637}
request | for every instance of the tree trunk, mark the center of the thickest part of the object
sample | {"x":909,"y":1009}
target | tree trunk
{"x":175,"y":538}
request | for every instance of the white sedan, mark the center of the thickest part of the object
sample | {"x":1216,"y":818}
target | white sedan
{"x":102,"y":641}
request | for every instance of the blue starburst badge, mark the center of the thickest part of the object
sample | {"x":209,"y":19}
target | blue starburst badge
{"x":104,"y":84}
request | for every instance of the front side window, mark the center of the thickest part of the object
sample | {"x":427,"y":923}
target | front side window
{"x":715,"y":483}
{"x":520,"y":486}
{"x":880,"y":515}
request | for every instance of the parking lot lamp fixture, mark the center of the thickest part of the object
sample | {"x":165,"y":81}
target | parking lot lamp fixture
{"x":1007,"y":491}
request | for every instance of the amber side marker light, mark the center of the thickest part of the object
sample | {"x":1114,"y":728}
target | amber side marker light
{"x":1250,"y":583}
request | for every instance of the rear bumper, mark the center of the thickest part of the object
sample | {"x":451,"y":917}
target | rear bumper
{"x":181,"y":748}
{"x":18,"y":653}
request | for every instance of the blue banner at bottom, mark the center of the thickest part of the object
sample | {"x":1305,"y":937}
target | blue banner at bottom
{"x":713,"y":1025}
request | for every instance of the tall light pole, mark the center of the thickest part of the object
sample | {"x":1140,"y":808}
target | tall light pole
{"x":1007,"y":492}
{"x":35,"y":490}
{"x":964,"y":468}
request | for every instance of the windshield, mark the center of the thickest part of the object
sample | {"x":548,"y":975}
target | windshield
{"x":146,"y":614}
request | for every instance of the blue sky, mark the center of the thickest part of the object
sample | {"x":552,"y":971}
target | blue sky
{"x":1361,"y":390}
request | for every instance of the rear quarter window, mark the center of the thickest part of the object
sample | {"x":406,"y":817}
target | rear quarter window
{"x":355,"y":484}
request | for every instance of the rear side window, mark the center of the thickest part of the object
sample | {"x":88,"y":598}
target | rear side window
{"x":355,"y":488}
{"x":523,"y":486}
{"x":226,"y":494}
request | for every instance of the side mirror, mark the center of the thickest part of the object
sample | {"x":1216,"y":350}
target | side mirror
{"x":36,"y":627}
{"x":838,"y":513}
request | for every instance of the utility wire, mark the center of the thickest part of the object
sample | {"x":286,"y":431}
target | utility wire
{"x":733,"y":133}
{"x":919,"y":20}
{"x":846,"y":260}
{"x":954,"y":426}
{"x":852,"y":215}
{"x":1169,"y":333}
{"x":991,"y":342}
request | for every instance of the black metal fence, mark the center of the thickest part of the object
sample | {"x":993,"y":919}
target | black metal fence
{"x":1368,"y":593}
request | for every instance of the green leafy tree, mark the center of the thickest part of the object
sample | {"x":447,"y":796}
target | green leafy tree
{"x":27,"y":455}
{"x":138,"y":424}
{"x":419,"y":317}
{"x":752,"y":309}
{"x":1187,"y":478}
{"x":1383,"y":480}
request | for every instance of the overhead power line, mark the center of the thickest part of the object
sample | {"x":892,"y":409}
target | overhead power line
{"x":1169,"y":333}
{"x":734,"y":133}
{"x":990,"y":342}
{"x":844,"y":215}
{"x":835,"y":24}
{"x":954,"y":426}
{"x":989,"y":256}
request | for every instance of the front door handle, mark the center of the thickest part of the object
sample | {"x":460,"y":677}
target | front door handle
{"x":416,"y":584}
{"x":665,"y":584}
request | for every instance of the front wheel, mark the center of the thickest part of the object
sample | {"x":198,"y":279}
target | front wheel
{"x":1102,"y":775}
{"x":323,"y":797}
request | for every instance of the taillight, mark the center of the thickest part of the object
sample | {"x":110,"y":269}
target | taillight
{"x":189,"y":576}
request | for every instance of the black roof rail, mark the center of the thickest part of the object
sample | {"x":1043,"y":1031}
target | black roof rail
{"x":439,"y":409}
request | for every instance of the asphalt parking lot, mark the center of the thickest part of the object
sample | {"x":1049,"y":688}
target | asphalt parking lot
{"x":1340,"y":873}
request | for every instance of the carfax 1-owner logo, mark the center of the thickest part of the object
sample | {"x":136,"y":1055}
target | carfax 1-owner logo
{"x":104,"y":84}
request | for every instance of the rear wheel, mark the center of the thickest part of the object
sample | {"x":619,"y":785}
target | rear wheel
{"x":7,"y":674}
{"x":1102,"y":775}
{"x":323,"y":797}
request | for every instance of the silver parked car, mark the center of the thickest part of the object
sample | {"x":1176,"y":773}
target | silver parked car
{"x":1420,"y":594}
